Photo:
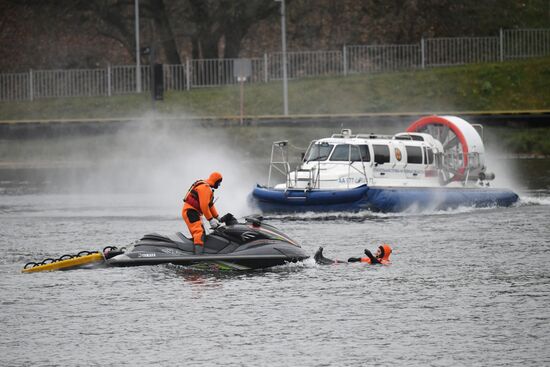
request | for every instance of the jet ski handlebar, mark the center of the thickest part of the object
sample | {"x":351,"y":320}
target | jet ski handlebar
{"x":255,"y":220}
{"x":228,"y":219}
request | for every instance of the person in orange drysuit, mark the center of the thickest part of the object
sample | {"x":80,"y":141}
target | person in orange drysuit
{"x":382,"y":256}
{"x":198,"y":201}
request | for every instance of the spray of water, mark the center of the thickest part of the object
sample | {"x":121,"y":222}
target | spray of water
{"x":498,"y":162}
{"x":157,"y":161}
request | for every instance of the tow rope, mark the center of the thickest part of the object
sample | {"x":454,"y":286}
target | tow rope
{"x":68,"y":261}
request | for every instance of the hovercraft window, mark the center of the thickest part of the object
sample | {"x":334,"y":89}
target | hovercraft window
{"x":414,"y":154}
{"x":430,"y":156}
{"x":381,"y":153}
{"x":341,"y":153}
{"x":353,"y":153}
{"x":319,"y":152}
{"x":365,"y":154}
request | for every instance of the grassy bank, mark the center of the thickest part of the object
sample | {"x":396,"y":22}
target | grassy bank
{"x":518,"y":85}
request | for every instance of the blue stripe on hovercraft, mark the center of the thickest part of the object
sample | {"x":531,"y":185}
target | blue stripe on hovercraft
{"x":385,"y":199}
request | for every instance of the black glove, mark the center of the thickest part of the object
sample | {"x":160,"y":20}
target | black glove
{"x":372,"y":259}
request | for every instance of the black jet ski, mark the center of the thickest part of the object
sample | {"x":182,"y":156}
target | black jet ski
{"x":249,"y":245}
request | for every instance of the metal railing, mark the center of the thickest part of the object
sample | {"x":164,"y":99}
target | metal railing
{"x":459,"y":51}
{"x":305,"y":64}
{"x":16,"y":86}
{"x":525,"y":43}
{"x":382,"y":58}
{"x":430,"y":52}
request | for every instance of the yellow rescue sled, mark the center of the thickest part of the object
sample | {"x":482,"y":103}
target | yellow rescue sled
{"x":65,"y":262}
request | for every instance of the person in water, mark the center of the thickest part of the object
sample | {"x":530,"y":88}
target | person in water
{"x":198,"y":201}
{"x":382,"y":256}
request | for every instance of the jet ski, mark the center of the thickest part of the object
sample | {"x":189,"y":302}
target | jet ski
{"x":249,"y":245}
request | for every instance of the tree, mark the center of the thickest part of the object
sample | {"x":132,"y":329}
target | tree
{"x":116,"y":19}
{"x":209,"y":23}
{"x":406,"y":21}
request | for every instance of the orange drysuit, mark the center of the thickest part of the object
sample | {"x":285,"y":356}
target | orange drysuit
{"x":383,"y":258}
{"x":198,"y":201}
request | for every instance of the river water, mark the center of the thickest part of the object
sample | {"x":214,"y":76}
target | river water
{"x":465,"y":287}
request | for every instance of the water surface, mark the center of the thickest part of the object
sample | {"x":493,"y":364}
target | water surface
{"x":465,"y":287}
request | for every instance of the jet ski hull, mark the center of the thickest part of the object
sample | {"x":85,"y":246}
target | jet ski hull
{"x":237,"y":246}
{"x":242,"y":262}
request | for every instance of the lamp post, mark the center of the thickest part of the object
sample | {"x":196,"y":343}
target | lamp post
{"x":285,"y":77}
{"x":138,"y":53}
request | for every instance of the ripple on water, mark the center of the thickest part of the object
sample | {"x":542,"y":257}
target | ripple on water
{"x":465,"y":287}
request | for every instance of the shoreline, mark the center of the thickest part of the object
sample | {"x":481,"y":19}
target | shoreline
{"x":488,"y":117}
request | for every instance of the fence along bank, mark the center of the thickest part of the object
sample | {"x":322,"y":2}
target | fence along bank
{"x":428,"y":53}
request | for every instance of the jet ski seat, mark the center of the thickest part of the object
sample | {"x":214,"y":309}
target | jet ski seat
{"x":180,"y":237}
{"x":176,"y":240}
{"x":214,"y":244}
{"x":218,"y":245}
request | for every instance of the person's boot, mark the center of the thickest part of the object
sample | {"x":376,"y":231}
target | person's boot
{"x":318,"y":255}
{"x":322,"y":260}
{"x":199,"y":249}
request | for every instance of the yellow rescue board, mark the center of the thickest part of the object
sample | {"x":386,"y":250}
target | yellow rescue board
{"x":66,"y":264}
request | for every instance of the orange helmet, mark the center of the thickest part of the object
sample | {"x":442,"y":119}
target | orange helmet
{"x":214,"y":180}
{"x":386,"y":251}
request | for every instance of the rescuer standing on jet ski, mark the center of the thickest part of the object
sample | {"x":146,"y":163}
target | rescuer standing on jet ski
{"x":198,"y":201}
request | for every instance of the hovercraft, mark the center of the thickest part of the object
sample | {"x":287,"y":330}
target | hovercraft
{"x":240,"y":246}
{"x":437,"y":163}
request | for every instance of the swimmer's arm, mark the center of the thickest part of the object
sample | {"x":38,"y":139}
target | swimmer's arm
{"x":372,"y":259}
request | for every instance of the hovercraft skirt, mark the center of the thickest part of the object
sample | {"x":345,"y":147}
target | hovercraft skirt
{"x":380,"y":199}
